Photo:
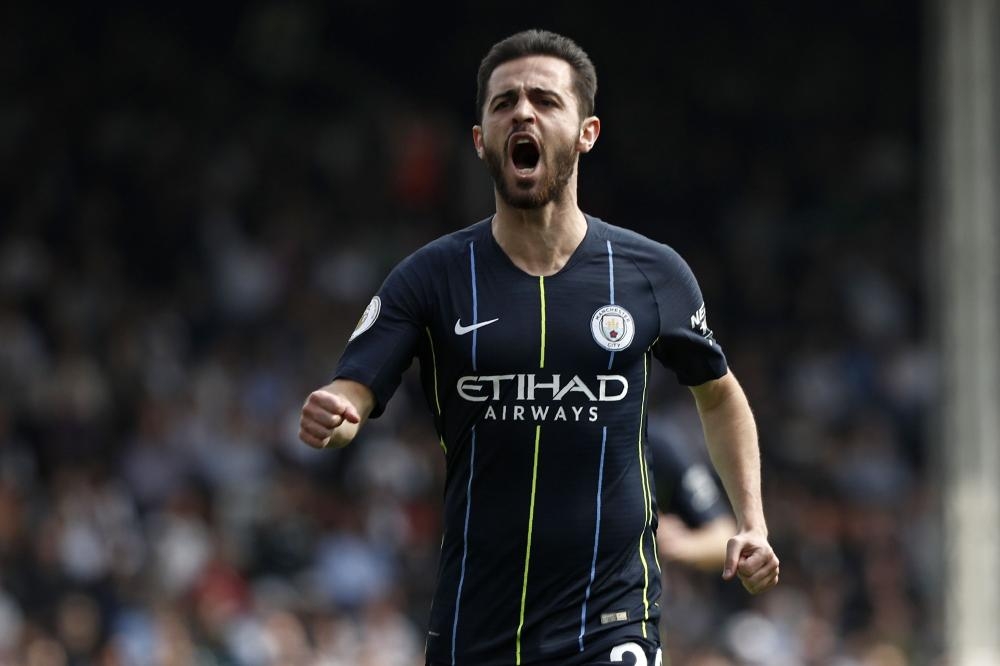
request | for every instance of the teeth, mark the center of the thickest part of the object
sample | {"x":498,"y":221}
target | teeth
{"x":522,"y":141}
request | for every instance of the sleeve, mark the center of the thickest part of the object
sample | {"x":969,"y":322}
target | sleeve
{"x":388,"y":335}
{"x":686,"y":344}
{"x":684,"y":486}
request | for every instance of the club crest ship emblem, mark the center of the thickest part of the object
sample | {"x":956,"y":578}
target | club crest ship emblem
{"x":612,"y":327}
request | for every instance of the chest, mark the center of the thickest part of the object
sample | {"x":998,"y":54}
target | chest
{"x":583,"y":320}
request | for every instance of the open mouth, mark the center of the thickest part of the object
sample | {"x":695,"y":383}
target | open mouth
{"x":524,"y":154}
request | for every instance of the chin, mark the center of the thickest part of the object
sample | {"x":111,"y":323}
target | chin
{"x":542,"y":187}
{"x":526,"y":198}
{"x":524,"y":202}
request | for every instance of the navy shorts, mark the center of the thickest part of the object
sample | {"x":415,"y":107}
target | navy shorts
{"x":632,"y":653}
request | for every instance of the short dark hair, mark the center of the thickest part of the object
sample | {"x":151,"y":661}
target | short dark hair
{"x":541,"y":42}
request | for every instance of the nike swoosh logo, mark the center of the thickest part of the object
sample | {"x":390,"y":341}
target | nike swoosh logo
{"x":462,"y":330}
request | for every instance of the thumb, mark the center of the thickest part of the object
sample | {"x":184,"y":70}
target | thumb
{"x":733,"y":549}
{"x":350,"y":413}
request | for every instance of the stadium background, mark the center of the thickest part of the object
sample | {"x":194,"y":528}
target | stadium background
{"x":195,"y":206}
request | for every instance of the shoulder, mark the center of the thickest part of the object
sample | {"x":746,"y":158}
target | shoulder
{"x":445,"y":249}
{"x":655,"y":259}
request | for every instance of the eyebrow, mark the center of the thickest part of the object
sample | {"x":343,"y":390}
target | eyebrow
{"x":512,"y":92}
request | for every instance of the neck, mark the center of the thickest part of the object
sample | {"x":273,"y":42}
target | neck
{"x":540,"y":241}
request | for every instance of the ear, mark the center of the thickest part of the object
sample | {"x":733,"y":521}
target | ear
{"x":477,"y":141}
{"x":590,"y":129}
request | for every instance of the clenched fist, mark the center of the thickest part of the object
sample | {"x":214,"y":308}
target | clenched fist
{"x":333,"y":414}
{"x":750,"y":557}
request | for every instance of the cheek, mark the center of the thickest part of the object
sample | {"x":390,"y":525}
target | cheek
{"x":568,"y":141}
{"x":495,"y":143}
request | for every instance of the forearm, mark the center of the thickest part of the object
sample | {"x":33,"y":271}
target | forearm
{"x":731,"y":438}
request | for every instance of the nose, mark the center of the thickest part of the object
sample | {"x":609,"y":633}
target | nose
{"x":524,"y":110}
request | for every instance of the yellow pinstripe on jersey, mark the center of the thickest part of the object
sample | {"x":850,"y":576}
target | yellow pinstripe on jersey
{"x":437,"y":401}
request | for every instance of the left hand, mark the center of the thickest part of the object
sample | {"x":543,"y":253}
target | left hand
{"x":750,"y":556}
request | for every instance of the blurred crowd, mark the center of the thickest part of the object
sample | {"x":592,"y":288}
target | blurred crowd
{"x":194,"y":211}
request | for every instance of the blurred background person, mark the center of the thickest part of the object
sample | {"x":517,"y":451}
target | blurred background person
{"x":695,"y":522}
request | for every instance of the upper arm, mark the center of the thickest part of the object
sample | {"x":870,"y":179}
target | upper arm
{"x":685,"y":343}
{"x":387,"y":338}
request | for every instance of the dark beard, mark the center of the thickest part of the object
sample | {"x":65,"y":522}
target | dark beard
{"x":550,"y":189}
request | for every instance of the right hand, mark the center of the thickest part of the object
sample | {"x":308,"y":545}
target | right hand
{"x":322,"y":413}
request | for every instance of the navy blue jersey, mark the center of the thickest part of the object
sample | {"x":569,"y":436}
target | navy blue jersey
{"x":685,"y":486}
{"x":538,"y":387}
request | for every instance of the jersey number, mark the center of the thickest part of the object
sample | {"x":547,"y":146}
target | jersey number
{"x":620,"y":651}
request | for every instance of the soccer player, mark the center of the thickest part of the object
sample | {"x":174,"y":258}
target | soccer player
{"x":535,"y":329}
{"x":694,"y":521}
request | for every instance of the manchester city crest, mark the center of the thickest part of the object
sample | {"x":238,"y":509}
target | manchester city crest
{"x":612,"y":327}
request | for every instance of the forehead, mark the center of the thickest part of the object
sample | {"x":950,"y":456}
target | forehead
{"x":537,"y":71}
